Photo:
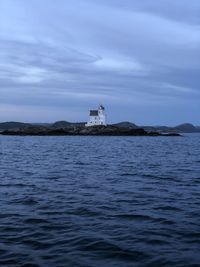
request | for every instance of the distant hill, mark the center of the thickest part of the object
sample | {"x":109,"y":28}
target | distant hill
{"x":12,"y":124}
{"x":44,"y":124}
{"x":126,"y":124}
{"x":66,"y":124}
{"x":182,"y":128}
{"x":186,"y":128}
{"x":61,"y":124}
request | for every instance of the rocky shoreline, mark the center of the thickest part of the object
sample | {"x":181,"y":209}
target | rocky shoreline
{"x":109,"y":130}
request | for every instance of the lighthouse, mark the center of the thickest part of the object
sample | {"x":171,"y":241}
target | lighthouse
{"x":97,"y":117}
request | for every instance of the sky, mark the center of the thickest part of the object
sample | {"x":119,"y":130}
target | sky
{"x":139,"y":58}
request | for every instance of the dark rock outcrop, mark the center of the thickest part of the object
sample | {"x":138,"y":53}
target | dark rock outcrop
{"x":111,"y":130}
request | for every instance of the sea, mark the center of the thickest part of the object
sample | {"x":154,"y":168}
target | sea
{"x":100,"y":201}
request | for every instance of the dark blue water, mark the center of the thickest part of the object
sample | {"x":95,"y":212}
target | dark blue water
{"x":100,"y":201}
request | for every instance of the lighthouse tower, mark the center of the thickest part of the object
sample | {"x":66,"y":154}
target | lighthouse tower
{"x":102,"y":116}
{"x":97,"y":117}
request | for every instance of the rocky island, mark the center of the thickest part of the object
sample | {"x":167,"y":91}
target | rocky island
{"x":64,"y":128}
{"x":96,"y":125}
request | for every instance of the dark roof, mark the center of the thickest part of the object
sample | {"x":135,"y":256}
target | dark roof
{"x":94,"y":113}
{"x":102,"y":107}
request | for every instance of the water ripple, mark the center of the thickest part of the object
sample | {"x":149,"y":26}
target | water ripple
{"x":99,"y":201}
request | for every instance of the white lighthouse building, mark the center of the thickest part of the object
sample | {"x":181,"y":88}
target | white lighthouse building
{"x":97,"y":117}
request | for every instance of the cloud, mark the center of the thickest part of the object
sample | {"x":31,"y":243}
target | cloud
{"x":179,"y":89}
{"x":133,"y":55}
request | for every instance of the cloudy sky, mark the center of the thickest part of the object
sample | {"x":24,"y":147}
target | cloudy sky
{"x":140,"y":58}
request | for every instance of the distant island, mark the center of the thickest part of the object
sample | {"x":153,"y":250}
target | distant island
{"x":72,"y":128}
